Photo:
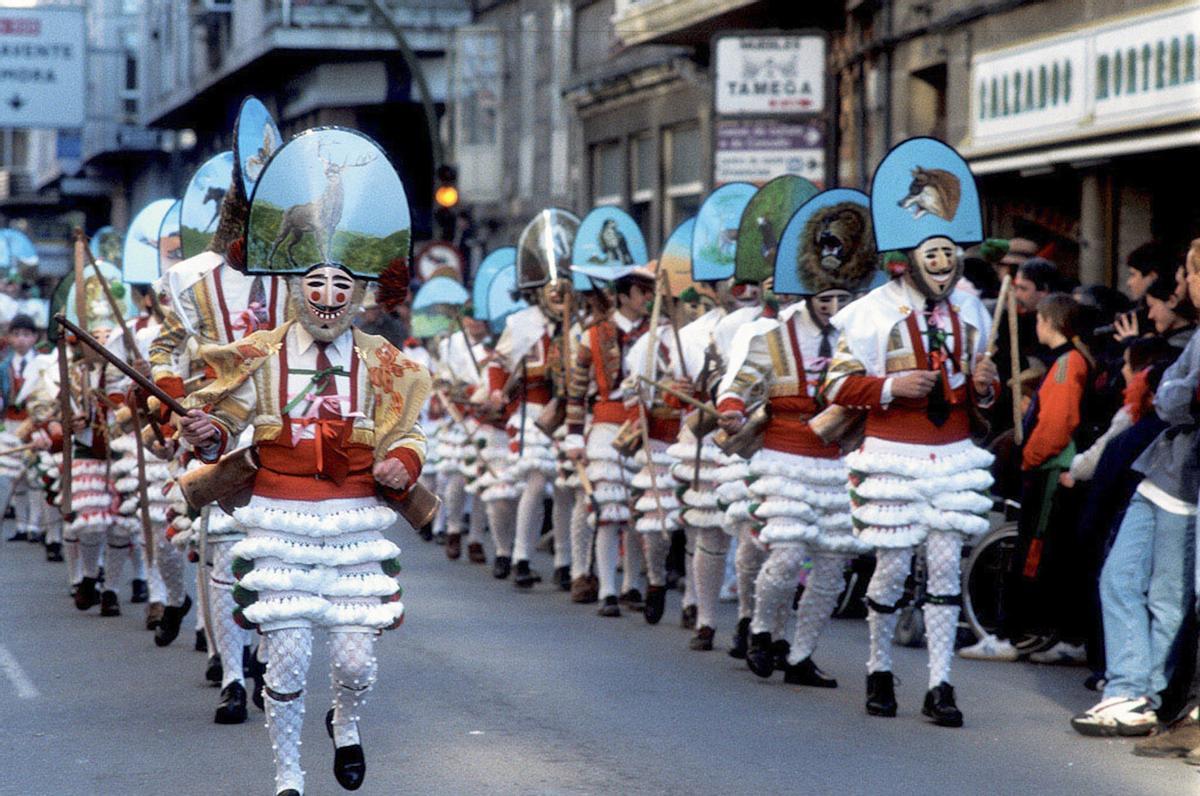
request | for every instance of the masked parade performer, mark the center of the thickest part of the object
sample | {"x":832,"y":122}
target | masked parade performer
{"x":911,"y":354}
{"x":525,"y":352}
{"x":597,"y":376}
{"x":798,"y":479}
{"x":334,"y":416}
{"x":209,"y":299}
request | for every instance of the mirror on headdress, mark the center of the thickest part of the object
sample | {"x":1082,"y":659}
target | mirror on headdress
{"x":255,"y":139}
{"x":201,"y":203}
{"x":143,"y":252}
{"x":544,"y":247}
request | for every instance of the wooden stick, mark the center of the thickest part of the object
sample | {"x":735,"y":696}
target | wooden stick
{"x":687,"y":399}
{"x":660,"y":287}
{"x":18,"y":449}
{"x":1015,"y":363}
{"x":64,"y":404}
{"x":1001,"y":304}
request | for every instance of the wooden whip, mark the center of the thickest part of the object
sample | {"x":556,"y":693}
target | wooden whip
{"x":1015,"y":364}
{"x":648,"y":375}
{"x":687,"y":399}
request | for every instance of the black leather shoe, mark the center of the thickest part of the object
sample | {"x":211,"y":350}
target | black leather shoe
{"x":349,"y":763}
{"x":54,"y":551}
{"x":610,"y":607}
{"x":232,"y":709}
{"x":426,"y":533}
{"x":656,"y":604}
{"x":525,"y":578}
{"x":881,"y":694}
{"x":687,"y":618}
{"x":140,"y":593}
{"x":939,"y":706}
{"x":288,"y":792}
{"x":168,"y":629}
{"x":502,"y":567}
{"x":807,"y":673}
{"x":214,"y":672}
{"x":633,"y":600}
{"x":109,"y":604}
{"x":741,"y":639}
{"x":760,"y":657}
{"x":86,"y":594}
{"x":201,"y":643}
{"x":19,"y":536}
{"x":703,"y":640}
{"x":781,"y":650}
{"x":562,"y":578}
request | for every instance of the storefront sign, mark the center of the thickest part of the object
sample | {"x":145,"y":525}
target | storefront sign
{"x":769,"y":75}
{"x":1135,"y":72}
{"x":42,"y":82}
{"x":757,"y":150}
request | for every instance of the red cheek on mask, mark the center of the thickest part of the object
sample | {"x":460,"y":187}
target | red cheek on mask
{"x":315,"y":295}
{"x":341,"y":297}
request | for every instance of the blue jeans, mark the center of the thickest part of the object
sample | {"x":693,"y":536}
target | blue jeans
{"x":1146,"y":588}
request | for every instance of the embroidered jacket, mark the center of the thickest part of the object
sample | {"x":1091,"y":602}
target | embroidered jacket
{"x":387,"y":393}
{"x":597,"y":372}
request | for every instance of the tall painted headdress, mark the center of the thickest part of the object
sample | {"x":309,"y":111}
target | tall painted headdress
{"x":170,"y":244}
{"x":330,"y":196}
{"x":827,"y":245}
{"x":495,"y":262}
{"x":924,"y":189}
{"x":544,"y":248}
{"x":763,"y":220}
{"x":142,"y":256}
{"x":200,"y":208}
{"x":608,"y":238}
{"x":715,"y":237}
{"x":255,"y":140}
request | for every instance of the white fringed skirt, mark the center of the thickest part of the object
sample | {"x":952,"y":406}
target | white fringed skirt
{"x":802,"y":499}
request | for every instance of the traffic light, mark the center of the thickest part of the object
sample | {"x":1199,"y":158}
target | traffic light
{"x":446,"y":191}
{"x":445,"y":201}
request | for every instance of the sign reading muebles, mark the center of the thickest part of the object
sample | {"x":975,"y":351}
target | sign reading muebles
{"x":1132,"y":73}
{"x":42,"y":78}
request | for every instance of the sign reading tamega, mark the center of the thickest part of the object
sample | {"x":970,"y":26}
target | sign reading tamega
{"x":770,"y":74}
{"x":42,"y":77}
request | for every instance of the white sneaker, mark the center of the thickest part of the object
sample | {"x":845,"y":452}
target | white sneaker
{"x":1125,"y":716}
{"x":1061,"y":654}
{"x":990,"y":648}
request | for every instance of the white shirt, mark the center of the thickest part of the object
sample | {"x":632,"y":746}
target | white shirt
{"x":808,"y":336}
{"x":302,"y":355}
{"x":917,"y":302}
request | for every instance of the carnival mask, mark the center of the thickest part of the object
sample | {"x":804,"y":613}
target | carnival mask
{"x":937,"y":267}
{"x":745,"y":294}
{"x":325,"y":301}
{"x":824,"y":306}
{"x":552,"y":298}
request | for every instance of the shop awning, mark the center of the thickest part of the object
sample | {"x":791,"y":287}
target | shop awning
{"x":1082,"y":153}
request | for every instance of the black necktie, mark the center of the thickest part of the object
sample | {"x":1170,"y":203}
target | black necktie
{"x":825,"y":349}
{"x":937,"y":408}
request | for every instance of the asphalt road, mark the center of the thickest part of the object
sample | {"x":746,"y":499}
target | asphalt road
{"x":485,"y":690}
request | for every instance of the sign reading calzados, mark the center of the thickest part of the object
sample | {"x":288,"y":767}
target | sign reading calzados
{"x":42,"y":78}
{"x":767,"y":75}
{"x":1133,"y":72}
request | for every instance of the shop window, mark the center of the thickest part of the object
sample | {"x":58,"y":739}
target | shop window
{"x":681,"y":152}
{"x":607,"y":170}
{"x":927,"y":101}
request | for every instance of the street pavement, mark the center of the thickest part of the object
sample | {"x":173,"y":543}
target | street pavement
{"x":485,"y":690}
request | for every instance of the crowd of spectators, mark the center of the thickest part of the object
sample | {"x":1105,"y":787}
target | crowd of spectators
{"x":1107,"y":477}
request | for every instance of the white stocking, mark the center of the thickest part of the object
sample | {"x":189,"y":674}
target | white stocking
{"x":712,"y":544}
{"x":943,"y":558}
{"x":169,"y":564}
{"x":353,"y":670}
{"x":287,"y":672}
{"x":633,"y":562}
{"x":478,"y":525}
{"x":228,"y":636}
{"x":689,"y":567}
{"x":608,"y":550}
{"x":438,"y":486}
{"x":501,"y":515}
{"x":655,"y":547}
{"x":750,"y":558}
{"x":531,"y":510}
{"x":775,"y":585}
{"x":816,"y":605}
{"x":564,"y":508}
{"x":114,"y":564}
{"x":89,"y":557}
{"x":582,"y":534}
{"x":886,"y":588}
{"x":73,"y":556}
{"x":456,"y":500}
{"x":137,"y":553}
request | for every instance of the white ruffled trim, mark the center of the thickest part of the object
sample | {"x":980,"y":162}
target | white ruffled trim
{"x":782,"y":507}
{"x":891,"y":538}
{"x":316,"y":519}
{"x":331,"y":555}
{"x":324,"y":581}
{"x":924,"y":462}
{"x":321,"y":612}
{"x":703,"y":499}
{"x":732,"y":491}
{"x":651,"y":523}
{"x":805,"y":469}
{"x":700,"y":518}
{"x":647,"y":503}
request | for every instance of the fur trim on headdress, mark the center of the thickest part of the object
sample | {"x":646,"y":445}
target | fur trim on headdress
{"x":393,"y":284}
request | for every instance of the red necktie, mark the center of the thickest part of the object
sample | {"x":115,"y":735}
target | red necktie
{"x":325,"y":409}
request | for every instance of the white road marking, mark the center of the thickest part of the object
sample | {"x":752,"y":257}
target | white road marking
{"x":16,"y":675}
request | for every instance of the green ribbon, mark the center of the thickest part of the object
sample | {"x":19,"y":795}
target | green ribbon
{"x":316,"y":382}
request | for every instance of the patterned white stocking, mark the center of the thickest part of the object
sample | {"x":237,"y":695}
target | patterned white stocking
{"x":709,"y":567}
{"x":228,"y":636}
{"x":886,"y":588}
{"x":655,"y":547}
{"x":633,"y":561}
{"x":943,"y":559}
{"x":582,"y":534}
{"x":749,"y":559}
{"x":564,"y":508}
{"x":353,"y":671}
{"x":775,"y":586}
{"x":608,"y":550}
{"x":478,"y":525}
{"x":816,"y":605}
{"x":456,"y":500}
{"x":531,"y":510}
{"x":287,"y":672}
{"x":501,"y":515}
{"x":689,"y":567}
